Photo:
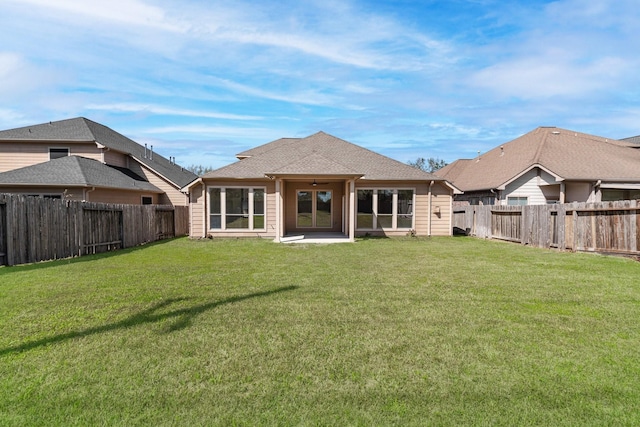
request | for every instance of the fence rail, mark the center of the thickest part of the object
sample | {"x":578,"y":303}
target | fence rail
{"x":611,"y":227}
{"x":35,"y":229}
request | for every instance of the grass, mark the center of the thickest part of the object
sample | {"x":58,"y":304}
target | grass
{"x":440,"y":331}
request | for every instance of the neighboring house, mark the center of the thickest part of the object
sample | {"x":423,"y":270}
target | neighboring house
{"x":79,"y":159}
{"x":549,"y":165}
{"x":296,"y":186}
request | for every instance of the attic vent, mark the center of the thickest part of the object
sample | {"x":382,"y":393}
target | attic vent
{"x":556,"y":132}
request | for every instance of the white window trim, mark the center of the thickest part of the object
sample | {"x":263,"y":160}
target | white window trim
{"x":223,"y":209}
{"x":394,"y":209}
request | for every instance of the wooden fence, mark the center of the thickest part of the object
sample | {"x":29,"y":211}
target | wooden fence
{"x":607,"y":227}
{"x":34,"y":229}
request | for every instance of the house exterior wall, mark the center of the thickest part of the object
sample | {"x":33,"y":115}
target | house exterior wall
{"x":425,"y":224}
{"x":119,"y":196}
{"x":290,"y":206}
{"x":202,"y":211}
{"x":115,"y":158}
{"x":84,"y":194}
{"x":197,"y":211}
{"x":578,"y":192}
{"x":172,"y":195}
{"x":438,"y":223}
{"x":528,"y":185}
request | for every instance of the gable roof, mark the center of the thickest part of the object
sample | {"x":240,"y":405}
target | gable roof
{"x":318,"y":154}
{"x":567,"y":154}
{"x":81,"y":129}
{"x":76,"y":171}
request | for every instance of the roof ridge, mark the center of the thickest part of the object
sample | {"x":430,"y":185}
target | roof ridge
{"x":536,"y":157}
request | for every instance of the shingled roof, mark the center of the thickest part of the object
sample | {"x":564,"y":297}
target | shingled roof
{"x":81,"y":129}
{"x":565,"y":153}
{"x":319,"y":154}
{"x":76,"y":171}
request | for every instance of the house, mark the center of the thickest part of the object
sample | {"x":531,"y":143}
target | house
{"x":549,"y":165}
{"x":298,"y":186}
{"x":78,"y":159}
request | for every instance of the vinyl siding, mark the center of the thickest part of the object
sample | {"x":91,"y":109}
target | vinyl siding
{"x":172,"y":196}
{"x":196,"y":212}
{"x":528,"y":185}
{"x":19,"y":155}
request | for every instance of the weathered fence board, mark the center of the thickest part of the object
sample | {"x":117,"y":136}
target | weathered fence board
{"x":35,"y":229}
{"x":597,"y":227}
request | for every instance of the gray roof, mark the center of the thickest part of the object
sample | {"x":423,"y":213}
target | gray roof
{"x":568,"y":154}
{"x":635,"y":140}
{"x":76,"y":171}
{"x":84,"y":130}
{"x":319,"y":154}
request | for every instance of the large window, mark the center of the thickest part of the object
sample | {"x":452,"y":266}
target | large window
{"x":387,"y":209}
{"x":234,"y":208}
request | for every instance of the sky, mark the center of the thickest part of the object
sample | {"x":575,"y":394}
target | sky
{"x":202,"y":80}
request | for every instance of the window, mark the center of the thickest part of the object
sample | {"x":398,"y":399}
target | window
{"x":384,"y":209}
{"x":56,"y":153}
{"x":364,"y":218}
{"x":237,"y":208}
{"x":517,"y":201}
{"x":147,"y":200}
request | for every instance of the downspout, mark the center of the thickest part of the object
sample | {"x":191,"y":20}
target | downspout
{"x":204,"y":210}
{"x":86,"y":193}
{"x":430,"y":211}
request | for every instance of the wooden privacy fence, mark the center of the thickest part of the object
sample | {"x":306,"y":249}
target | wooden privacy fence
{"x":608,"y":227}
{"x":34,"y":229}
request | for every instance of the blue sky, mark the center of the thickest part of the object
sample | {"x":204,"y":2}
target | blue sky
{"x":202,"y":80}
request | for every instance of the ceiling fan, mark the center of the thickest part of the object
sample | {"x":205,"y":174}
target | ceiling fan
{"x":315,"y":184}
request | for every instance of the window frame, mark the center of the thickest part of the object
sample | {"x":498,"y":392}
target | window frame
{"x":145,"y":198}
{"x":250,"y":214}
{"x":394,"y":212}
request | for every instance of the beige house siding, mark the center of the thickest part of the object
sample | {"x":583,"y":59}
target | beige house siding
{"x":441,"y":210}
{"x":115,"y":158}
{"x":172,"y":196}
{"x":13,"y":156}
{"x":84,"y":194}
{"x":578,"y":192}
{"x":119,"y":196}
{"x":19,"y":155}
{"x":197,"y":212}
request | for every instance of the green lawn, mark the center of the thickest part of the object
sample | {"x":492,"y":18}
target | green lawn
{"x":411,"y":331}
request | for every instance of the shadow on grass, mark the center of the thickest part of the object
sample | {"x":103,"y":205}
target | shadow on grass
{"x":5,"y":269}
{"x":183,"y":316}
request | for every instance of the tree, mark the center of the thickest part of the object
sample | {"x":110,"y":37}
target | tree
{"x":430,"y":165}
{"x":199,"y":169}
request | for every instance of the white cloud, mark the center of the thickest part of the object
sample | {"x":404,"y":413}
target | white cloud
{"x":128,"y":12}
{"x":160,"y":110}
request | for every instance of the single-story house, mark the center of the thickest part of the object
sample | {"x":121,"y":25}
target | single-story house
{"x":297,"y":186}
{"x":549,"y":165}
{"x":79,"y":159}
